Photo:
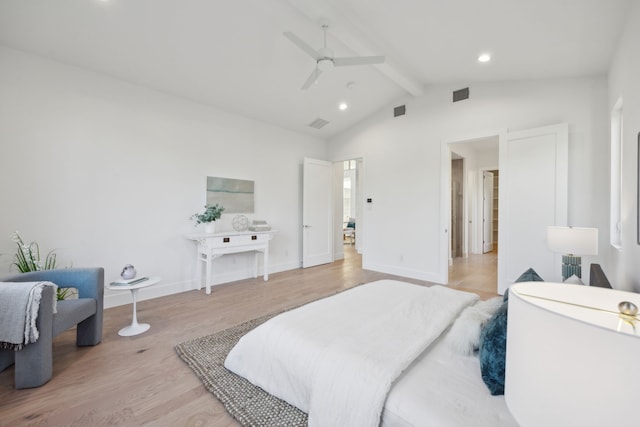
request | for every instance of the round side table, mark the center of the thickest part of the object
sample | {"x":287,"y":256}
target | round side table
{"x":134,"y":328}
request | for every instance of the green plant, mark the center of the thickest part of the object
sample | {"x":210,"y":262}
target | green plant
{"x":27,"y":258}
{"x":211,"y":213}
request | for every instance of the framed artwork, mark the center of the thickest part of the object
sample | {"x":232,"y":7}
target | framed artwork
{"x":235,"y":195}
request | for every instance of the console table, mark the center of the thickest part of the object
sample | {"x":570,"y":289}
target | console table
{"x":215,"y":245}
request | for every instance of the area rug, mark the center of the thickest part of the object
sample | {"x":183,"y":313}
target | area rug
{"x":248,"y":404}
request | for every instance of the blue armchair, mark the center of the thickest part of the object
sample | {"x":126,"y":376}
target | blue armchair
{"x":34,"y":364}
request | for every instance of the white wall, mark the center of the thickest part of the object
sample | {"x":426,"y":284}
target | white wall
{"x":108,"y":173}
{"x":624,"y":81}
{"x":402,"y":155}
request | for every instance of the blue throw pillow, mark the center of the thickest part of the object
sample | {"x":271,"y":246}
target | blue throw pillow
{"x":493,"y":341}
{"x":528,"y":276}
{"x":493,"y":350}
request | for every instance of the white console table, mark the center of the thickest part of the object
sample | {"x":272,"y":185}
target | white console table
{"x":215,"y":245}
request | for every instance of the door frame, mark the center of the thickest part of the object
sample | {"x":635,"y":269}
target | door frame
{"x":445,"y":193}
{"x":486,"y":220}
{"x":338,"y":248}
{"x":464,"y":214}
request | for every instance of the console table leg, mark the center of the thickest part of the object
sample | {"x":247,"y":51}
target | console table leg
{"x":255,"y":264}
{"x":209,"y":264}
{"x":266,"y":263}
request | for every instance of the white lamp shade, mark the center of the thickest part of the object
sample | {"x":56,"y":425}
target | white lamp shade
{"x":573,"y":240}
{"x":567,"y":365}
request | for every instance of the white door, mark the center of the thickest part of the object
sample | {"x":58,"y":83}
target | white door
{"x":533,"y":195}
{"x":317,"y":221}
{"x":487,"y":211}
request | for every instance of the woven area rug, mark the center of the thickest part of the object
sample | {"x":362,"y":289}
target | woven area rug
{"x":248,"y":404}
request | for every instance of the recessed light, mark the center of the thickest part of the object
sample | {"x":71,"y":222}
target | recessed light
{"x":343,"y":106}
{"x":485,"y":57}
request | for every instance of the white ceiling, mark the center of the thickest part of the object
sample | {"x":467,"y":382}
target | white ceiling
{"x":232,"y":54}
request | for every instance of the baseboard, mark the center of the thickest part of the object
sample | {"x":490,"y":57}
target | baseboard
{"x":405,"y":272}
{"x":115,"y":298}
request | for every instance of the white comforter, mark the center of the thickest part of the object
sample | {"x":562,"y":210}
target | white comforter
{"x":336,"y":358}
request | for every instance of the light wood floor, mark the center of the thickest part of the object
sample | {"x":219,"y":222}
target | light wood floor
{"x":140,"y":380}
{"x":476,"y":273}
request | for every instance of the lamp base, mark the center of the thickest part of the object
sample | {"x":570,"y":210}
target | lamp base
{"x":571,"y":265}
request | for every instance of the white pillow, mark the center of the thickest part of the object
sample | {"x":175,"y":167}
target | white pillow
{"x":464,"y":335}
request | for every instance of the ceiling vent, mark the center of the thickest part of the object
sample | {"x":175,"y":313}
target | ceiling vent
{"x":318,"y":123}
{"x":400,"y":111}
{"x":460,"y":95}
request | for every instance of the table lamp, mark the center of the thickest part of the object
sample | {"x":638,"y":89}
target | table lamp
{"x":572,"y":355}
{"x":572,"y":242}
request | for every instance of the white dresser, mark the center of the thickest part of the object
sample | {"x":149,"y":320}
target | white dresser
{"x":215,"y":245}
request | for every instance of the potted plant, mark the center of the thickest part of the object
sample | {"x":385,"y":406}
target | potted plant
{"x":27,"y":258}
{"x":208,"y":217}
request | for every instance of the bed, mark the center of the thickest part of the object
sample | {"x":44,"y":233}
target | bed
{"x":385,"y":353}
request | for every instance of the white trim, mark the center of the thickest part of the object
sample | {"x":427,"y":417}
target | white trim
{"x":404,"y":272}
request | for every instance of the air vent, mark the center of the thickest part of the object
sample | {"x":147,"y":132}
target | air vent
{"x":400,"y":111}
{"x":318,"y":123}
{"x":462,"y":94}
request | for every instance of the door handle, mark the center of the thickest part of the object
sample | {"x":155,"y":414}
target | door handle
{"x":306,"y":226}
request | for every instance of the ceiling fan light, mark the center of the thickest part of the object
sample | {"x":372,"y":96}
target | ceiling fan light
{"x":325,"y":64}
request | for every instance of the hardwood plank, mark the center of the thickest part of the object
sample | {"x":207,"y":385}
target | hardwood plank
{"x":139,"y":381}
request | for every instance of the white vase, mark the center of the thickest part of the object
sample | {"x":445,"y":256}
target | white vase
{"x":210,"y":227}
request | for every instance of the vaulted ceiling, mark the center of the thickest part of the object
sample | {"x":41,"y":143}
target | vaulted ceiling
{"x":232,"y":54}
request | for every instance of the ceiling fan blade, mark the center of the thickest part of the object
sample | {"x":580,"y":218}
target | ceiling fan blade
{"x":313,"y":77}
{"x":358,"y":60}
{"x":302,"y":45}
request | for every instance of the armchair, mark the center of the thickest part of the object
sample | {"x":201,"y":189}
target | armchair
{"x":34,"y":364}
{"x":349,"y":230}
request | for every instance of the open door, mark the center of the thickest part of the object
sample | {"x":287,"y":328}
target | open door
{"x":487,"y":211}
{"x":317,"y":213}
{"x":533,"y":195}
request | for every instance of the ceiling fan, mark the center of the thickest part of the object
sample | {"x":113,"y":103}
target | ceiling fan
{"x":325,"y":59}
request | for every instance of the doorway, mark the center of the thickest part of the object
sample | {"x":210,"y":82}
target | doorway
{"x":348,"y":203}
{"x":474,"y":189}
{"x":526,"y":205}
{"x":349,"y":197}
{"x":457,"y":203}
{"x":490,"y":209}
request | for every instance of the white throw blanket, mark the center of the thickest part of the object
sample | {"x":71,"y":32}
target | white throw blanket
{"x":19,"y":305}
{"x":337,"y":358}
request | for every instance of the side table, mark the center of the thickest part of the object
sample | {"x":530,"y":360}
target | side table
{"x":135,"y":328}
